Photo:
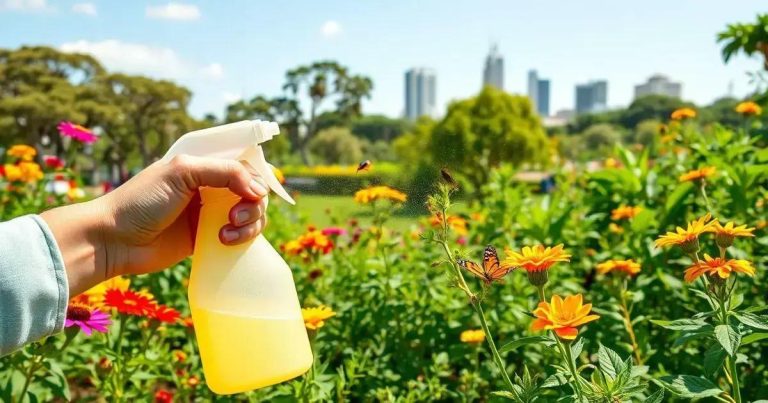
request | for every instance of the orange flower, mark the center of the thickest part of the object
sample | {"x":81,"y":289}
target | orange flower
{"x":698,"y":174}
{"x":456,"y":223}
{"x":537,"y":258}
{"x":718,"y":266}
{"x":24,"y":171}
{"x":314,"y":318}
{"x":616,"y":229}
{"x":373,"y":193}
{"x":625,"y":212}
{"x":164,"y":314}
{"x":22,"y":152}
{"x":129,"y":302}
{"x":472,"y":336}
{"x":724,"y":234}
{"x":621,"y":266}
{"x":95,"y":295}
{"x":563,"y":316}
{"x":312,"y":241}
{"x":179,"y":355}
{"x":688,"y":239}
{"x":683,"y":113}
{"x":748,"y":108}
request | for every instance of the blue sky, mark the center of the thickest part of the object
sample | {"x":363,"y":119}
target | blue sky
{"x":224,"y":50}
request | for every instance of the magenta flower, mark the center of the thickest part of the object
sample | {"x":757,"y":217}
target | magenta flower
{"x":86,"y":318}
{"x":77,"y":132}
{"x":334,"y":231}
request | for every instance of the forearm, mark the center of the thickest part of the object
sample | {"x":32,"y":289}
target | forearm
{"x":79,"y":230}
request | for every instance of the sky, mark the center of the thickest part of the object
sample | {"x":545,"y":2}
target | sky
{"x":227,"y":50}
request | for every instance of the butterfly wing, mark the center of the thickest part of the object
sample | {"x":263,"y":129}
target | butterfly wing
{"x":472,"y":267}
{"x":493,"y":269}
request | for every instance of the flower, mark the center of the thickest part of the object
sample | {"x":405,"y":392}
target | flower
{"x":472,"y":336}
{"x":456,"y":223}
{"x":164,"y":314}
{"x":616,"y":229}
{"x":77,"y":132}
{"x":698,"y":174}
{"x":87,"y":318}
{"x":75,"y":193}
{"x":688,"y":239}
{"x":563,"y":316}
{"x":193,"y":381}
{"x":748,"y":108}
{"x":179,"y":355}
{"x":537,"y":258}
{"x":95,"y":295}
{"x":163,"y":396}
{"x":22,"y":152}
{"x":24,"y":171}
{"x":625,"y":212}
{"x":53,"y":162}
{"x":314,"y":318}
{"x":373,"y":193}
{"x":333,"y":231}
{"x":724,"y":234}
{"x":129,"y":302}
{"x":683,"y":113}
{"x":718,"y":266}
{"x":311,"y":242}
{"x":621,"y":266}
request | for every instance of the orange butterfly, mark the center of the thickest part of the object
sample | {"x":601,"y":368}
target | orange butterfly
{"x":492,"y":269}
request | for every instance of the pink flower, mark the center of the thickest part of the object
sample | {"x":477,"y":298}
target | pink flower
{"x":334,"y":231}
{"x":77,"y":132}
{"x":52,"y":161}
{"x":462,"y":240}
{"x":86,"y":318}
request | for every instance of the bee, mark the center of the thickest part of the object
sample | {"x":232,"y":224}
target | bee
{"x":364,"y":166}
{"x":448,"y":178}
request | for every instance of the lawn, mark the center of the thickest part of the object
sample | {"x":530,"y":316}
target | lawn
{"x":323,"y":211}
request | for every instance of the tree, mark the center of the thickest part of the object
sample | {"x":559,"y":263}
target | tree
{"x":320,"y":81}
{"x":337,"y":145}
{"x":478,"y":134}
{"x":722,"y":111}
{"x":747,"y":38}
{"x":378,"y":127}
{"x":654,"y":106}
{"x":600,"y":136}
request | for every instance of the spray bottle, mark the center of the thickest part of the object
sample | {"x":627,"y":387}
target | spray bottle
{"x":243,"y":299}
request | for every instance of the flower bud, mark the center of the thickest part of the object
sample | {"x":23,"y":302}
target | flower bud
{"x":538,"y":277}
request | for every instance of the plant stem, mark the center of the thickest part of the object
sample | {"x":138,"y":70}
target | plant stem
{"x":33,"y":367}
{"x":496,"y":356}
{"x":730,"y":364}
{"x":703,"y":189}
{"x":628,"y":323}
{"x":565,"y":349}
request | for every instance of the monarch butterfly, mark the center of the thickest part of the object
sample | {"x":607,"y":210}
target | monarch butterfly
{"x":364,"y":166}
{"x":492,"y":269}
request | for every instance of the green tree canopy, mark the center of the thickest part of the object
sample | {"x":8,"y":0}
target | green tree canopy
{"x":336,"y":145}
{"x":747,"y":38}
{"x":647,"y":107}
{"x":482,"y":132}
{"x":378,"y":127}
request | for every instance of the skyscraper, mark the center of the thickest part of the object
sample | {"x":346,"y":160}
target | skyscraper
{"x":420,"y":93}
{"x":661,"y":85}
{"x":592,"y":97}
{"x":538,"y":92}
{"x":493,"y":74}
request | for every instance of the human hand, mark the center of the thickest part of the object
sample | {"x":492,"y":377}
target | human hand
{"x":149,"y":223}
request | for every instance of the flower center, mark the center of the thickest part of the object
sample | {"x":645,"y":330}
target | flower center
{"x":78,"y":313}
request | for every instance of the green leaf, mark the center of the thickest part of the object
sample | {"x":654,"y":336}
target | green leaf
{"x":752,"y":320}
{"x":751,"y":338}
{"x":576,"y":348}
{"x":713,"y":359}
{"x":524,"y":342}
{"x":610,"y":362}
{"x":691,"y":387}
{"x":656,"y":397}
{"x":681,"y":324}
{"x":728,"y":337}
{"x":504,"y":394}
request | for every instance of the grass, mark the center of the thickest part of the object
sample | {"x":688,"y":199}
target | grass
{"x":323,"y":211}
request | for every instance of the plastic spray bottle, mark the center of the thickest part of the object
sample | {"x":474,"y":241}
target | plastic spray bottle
{"x":243,"y":299}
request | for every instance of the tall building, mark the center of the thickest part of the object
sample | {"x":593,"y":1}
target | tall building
{"x":493,"y":74}
{"x":420,"y":93}
{"x":538,"y":92}
{"x":661,"y":85}
{"x":592,"y":97}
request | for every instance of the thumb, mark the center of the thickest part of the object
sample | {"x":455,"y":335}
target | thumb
{"x":195,"y":172}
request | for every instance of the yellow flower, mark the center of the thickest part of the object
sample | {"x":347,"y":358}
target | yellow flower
{"x":625,"y":212}
{"x":22,"y":152}
{"x":472,"y":336}
{"x":718,"y":266}
{"x":616,"y":229}
{"x":537,"y":258}
{"x":724,"y":234}
{"x":95,"y":295}
{"x":629,"y":267}
{"x":314,"y":318}
{"x":667,"y":138}
{"x":749,"y":108}
{"x":374,"y":193}
{"x":698,"y":174}
{"x":611,"y":163}
{"x":30,"y":171}
{"x":12,"y":172}
{"x":563,"y":316}
{"x":688,"y":239}
{"x":683,"y":113}
{"x":456,"y":223}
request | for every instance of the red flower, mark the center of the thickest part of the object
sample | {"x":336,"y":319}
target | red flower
{"x":53,"y":162}
{"x":163,"y":396}
{"x":165,"y":314}
{"x":129,"y":302}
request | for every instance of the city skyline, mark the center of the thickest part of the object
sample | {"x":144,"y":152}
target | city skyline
{"x":493,"y":72}
{"x":420,"y":92}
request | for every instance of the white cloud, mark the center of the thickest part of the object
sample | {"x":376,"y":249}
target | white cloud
{"x":230,"y":97}
{"x":174,"y":11}
{"x":85,"y":8}
{"x":136,"y":58}
{"x":330,"y":29}
{"x":25,"y":5}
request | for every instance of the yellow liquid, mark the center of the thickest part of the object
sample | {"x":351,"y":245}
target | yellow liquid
{"x":241,"y":353}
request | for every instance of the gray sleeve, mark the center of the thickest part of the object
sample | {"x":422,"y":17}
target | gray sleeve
{"x":33,"y":283}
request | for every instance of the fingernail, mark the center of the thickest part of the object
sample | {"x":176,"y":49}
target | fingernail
{"x":258,"y":188}
{"x":242,"y":216}
{"x":230,"y":235}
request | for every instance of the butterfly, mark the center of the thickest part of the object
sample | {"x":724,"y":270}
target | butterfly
{"x":364,"y":166}
{"x":492,"y":270}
